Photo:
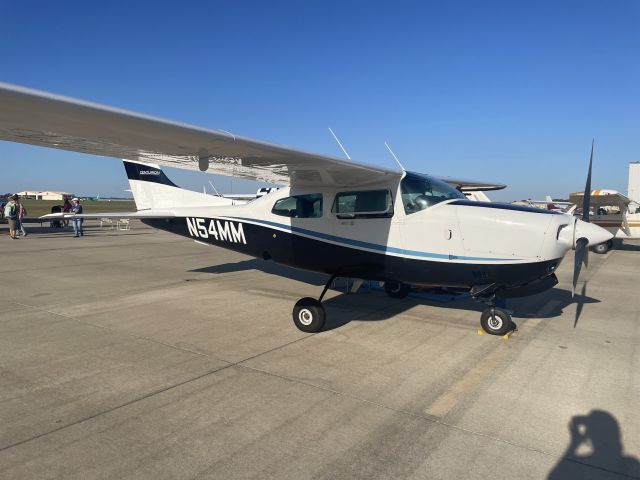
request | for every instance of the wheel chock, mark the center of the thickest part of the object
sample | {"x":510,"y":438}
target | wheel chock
{"x":507,"y":335}
{"x":480,"y":331}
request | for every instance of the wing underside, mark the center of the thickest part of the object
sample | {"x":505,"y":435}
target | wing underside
{"x":472,"y":185}
{"x":39,"y":118}
{"x":601,"y":198}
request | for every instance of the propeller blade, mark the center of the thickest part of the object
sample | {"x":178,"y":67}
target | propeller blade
{"x":581,"y":256}
{"x":586,"y":199}
{"x":585,"y":259}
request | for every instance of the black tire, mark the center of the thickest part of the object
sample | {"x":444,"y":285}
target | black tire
{"x":396,"y":289}
{"x":308,"y":315}
{"x":602,"y":248}
{"x":496,"y":321}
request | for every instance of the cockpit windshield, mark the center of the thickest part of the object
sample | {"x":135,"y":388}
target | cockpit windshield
{"x":420,"y":192}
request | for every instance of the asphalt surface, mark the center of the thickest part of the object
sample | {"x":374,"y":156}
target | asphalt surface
{"x":144,"y":355}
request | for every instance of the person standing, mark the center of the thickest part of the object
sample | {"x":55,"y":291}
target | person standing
{"x":11,"y":214}
{"x":66,"y":208}
{"x":76,"y":209}
{"x":22,"y":212}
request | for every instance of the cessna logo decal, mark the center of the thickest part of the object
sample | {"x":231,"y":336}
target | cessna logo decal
{"x":149,"y":172}
{"x":222,"y":231}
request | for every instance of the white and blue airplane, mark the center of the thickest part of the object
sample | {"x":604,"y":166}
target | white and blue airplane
{"x":332,"y":215}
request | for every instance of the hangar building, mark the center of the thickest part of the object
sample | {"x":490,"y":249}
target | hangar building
{"x":37,"y":195}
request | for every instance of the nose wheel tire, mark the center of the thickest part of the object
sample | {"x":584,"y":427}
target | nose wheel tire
{"x":496,"y":321}
{"x":603,"y":248}
{"x":396,"y":289}
{"x":308,"y":315}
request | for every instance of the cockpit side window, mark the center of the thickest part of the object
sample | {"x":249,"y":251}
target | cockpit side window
{"x":420,"y":192}
{"x":299,"y":206}
{"x":363,"y":204}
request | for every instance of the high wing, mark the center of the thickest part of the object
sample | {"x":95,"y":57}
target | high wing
{"x":49,"y":120}
{"x":607,"y":198}
{"x":471,"y":185}
{"x":40,"y":118}
{"x":602,"y":198}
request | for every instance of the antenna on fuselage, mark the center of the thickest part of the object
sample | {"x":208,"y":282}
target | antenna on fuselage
{"x":214,"y":188}
{"x":394,"y":156}
{"x":339,"y":144}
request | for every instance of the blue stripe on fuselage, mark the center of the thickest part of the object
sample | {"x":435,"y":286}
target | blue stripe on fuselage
{"x":368,"y":245}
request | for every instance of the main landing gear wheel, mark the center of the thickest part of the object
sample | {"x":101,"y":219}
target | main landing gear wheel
{"x":396,"y":289}
{"x":308,"y":315}
{"x":496,"y":321}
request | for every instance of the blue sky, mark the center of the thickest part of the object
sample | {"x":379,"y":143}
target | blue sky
{"x":495,"y":90}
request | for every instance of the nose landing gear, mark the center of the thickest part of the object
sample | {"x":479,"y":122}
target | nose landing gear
{"x":496,"y":321}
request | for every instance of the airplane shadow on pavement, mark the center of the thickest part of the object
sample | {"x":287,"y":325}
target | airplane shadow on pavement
{"x":595,"y":450}
{"x":629,"y":247}
{"x":41,"y":232}
{"x":372,"y":304}
{"x":272,"y":268}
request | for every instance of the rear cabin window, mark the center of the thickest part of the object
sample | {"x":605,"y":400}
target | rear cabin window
{"x":363,"y":204}
{"x":299,"y":206}
{"x":420,"y":192}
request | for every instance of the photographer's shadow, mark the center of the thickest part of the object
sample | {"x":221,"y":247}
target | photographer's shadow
{"x":595,"y":450}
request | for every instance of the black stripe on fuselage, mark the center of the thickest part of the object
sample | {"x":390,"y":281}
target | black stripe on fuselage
{"x":503,"y":206}
{"x":321,"y":256}
{"x":146,"y":173}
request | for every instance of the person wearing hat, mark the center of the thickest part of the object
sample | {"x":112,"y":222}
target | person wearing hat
{"x":11,"y":212}
{"x":76,"y":209}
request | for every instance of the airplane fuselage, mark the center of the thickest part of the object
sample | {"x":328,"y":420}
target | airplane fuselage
{"x":454,"y":242}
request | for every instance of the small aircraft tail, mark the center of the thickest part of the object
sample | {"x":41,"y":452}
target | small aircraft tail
{"x":152,"y":189}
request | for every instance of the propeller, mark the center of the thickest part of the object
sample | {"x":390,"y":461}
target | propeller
{"x":586,"y":199}
{"x":582,"y":256}
{"x":582,"y":251}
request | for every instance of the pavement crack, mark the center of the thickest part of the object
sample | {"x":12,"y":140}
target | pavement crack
{"x":117,"y":407}
{"x":432,"y":419}
{"x":129,"y":334}
{"x":148,"y":394}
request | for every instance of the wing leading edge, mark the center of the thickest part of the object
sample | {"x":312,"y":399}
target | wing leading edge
{"x":472,"y":185}
{"x":40,"y":118}
{"x":44,"y":119}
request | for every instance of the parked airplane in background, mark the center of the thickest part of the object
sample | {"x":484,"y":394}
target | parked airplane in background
{"x":477,"y":196}
{"x":614,"y":212}
{"x":548,"y":204}
{"x":332,"y":215}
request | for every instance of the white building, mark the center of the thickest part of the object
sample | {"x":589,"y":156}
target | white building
{"x":37,"y":195}
{"x":633,"y":191}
